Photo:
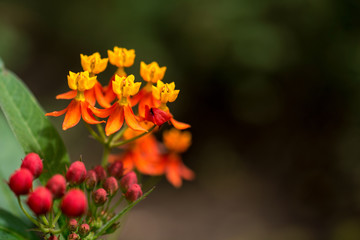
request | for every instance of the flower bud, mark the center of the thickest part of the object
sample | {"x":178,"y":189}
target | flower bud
{"x":40,"y":201}
{"x":113,"y":228}
{"x":84,"y":229}
{"x":116,"y":169}
{"x":74,"y":203}
{"x":128,"y":180}
{"x":133,"y":193}
{"x":100,"y":173}
{"x":57,"y":185}
{"x":73,"y":236}
{"x":33,"y":163}
{"x":73,"y":224}
{"x":90,"y":180}
{"x":100,"y":196}
{"x":111,"y":185}
{"x":76,"y":173}
{"x":53,"y":237}
{"x":21,"y":181}
{"x":156,"y":116}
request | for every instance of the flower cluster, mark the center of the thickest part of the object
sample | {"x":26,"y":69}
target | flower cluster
{"x":83,"y":198}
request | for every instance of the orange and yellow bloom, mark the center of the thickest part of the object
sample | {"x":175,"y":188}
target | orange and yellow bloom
{"x":78,"y":107}
{"x":121,"y":57}
{"x":94,"y":64}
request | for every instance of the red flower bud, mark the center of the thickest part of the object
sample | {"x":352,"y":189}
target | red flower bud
{"x":40,"y":201}
{"x":111,"y":185}
{"x":100,"y":173}
{"x":76,"y":173}
{"x":74,"y":203}
{"x":84,"y":229}
{"x":21,"y":181}
{"x":128,"y":180}
{"x":156,"y":116}
{"x":57,"y":185}
{"x":116,"y":169}
{"x":53,"y":237}
{"x":90,"y":180}
{"x":73,"y":224}
{"x":133,"y":193}
{"x":73,"y":236}
{"x":33,"y":163}
{"x":100,"y":196}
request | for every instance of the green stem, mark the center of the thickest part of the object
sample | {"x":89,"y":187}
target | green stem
{"x":117,"y":204}
{"x":57,"y":217}
{"x":119,"y":134}
{"x":93,"y":133}
{"x":132,"y":139}
{"x":45,"y":221}
{"x":101,"y":132}
{"x":27,"y":214}
{"x":105,"y":156}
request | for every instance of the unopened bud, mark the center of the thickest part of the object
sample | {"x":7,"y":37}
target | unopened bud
{"x":74,"y":203}
{"x":73,"y":224}
{"x":90,"y":180}
{"x":116,"y":169}
{"x":33,"y":163}
{"x":111,"y":185}
{"x":156,"y":116}
{"x":100,"y":173}
{"x":84,"y":229}
{"x":128,"y":180}
{"x":40,"y":201}
{"x":133,"y":193}
{"x":20,"y":181}
{"x":73,"y":236}
{"x":53,"y":237}
{"x":57,"y":185}
{"x":100,"y":196}
{"x":76,"y":173}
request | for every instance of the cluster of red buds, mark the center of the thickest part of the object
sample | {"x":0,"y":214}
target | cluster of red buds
{"x":81,"y":198}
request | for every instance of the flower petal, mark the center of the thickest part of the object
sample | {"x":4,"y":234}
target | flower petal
{"x":115,"y":120}
{"x":100,"y":97}
{"x":56,"y":113}
{"x":68,"y":95}
{"x":87,"y":114}
{"x":90,"y":96}
{"x":73,"y":115}
{"x":173,"y":174}
{"x":131,"y":119}
{"x":103,"y":113}
{"x":179,"y":125}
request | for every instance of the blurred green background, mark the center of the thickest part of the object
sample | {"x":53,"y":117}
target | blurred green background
{"x":271,"y":89}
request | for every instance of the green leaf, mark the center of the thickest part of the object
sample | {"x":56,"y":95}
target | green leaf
{"x":32,"y":129}
{"x":112,"y":221}
{"x":12,"y":227}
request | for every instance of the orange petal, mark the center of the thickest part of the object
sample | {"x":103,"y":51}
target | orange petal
{"x":90,"y":96}
{"x":100,"y":97}
{"x":68,"y":95}
{"x":186,"y":172}
{"x":103,"y":113}
{"x":57,"y":113}
{"x":109,"y":93}
{"x":173,"y":174}
{"x":115,"y":121}
{"x":179,"y":125}
{"x":131,"y":119}
{"x":87,"y":114}
{"x":135,"y":99}
{"x":128,"y":162}
{"x":73,"y":115}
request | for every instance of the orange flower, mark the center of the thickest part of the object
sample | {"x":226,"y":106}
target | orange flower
{"x":121,"y":57}
{"x":78,"y":107}
{"x":94,"y":64}
{"x":123,"y":87}
{"x":152,"y":72}
{"x":177,"y":141}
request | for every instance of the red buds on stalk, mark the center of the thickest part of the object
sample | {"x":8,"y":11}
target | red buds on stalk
{"x":116,"y":169}
{"x":33,"y":163}
{"x":133,"y":193}
{"x":40,"y":201}
{"x":90,"y":180}
{"x":53,"y":237}
{"x":84,"y":229}
{"x":100,"y":173}
{"x":128,"y":180}
{"x":111,"y":185}
{"x":73,"y":236}
{"x":76,"y":173}
{"x":21,"y":181}
{"x":100,"y":196}
{"x":73,"y":224}
{"x":57,"y":185}
{"x":74,"y":203}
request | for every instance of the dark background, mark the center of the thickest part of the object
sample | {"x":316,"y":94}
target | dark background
{"x":271,"y":89}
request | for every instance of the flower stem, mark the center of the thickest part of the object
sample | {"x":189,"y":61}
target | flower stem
{"x":105,"y":156}
{"x":45,"y":221}
{"x":132,"y":139}
{"x":27,"y":214}
{"x":93,"y":133}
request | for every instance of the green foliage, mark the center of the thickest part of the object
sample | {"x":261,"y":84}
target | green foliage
{"x":32,"y":129}
{"x":12,"y":227}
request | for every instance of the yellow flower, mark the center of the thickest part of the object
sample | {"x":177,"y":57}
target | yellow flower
{"x":165,"y":92}
{"x":125,"y":86}
{"x":121,"y":57}
{"x":152,"y":72}
{"x":93,"y":63}
{"x":176,"y":140}
{"x":81,"y":81}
